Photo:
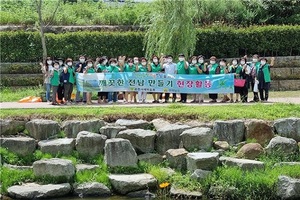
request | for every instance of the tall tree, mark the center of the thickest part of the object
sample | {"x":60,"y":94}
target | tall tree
{"x":171,"y":29}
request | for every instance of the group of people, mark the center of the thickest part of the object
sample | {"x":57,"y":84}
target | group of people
{"x":60,"y":76}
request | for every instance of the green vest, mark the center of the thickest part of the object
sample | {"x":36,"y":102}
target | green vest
{"x":266,"y":71}
{"x":180,"y":67}
{"x":113,"y":69}
{"x":155,"y":68}
{"x":55,"y":78}
{"x":129,"y":69}
{"x":213,"y":68}
{"x":71,"y":71}
{"x":101,"y":68}
{"x":91,"y":70}
{"x":193,"y":69}
{"x":142,"y":68}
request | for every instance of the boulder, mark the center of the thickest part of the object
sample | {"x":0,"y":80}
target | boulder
{"x":260,"y":131}
{"x":176,"y":158}
{"x":91,"y":189}
{"x":202,"y":160}
{"x":232,"y":131}
{"x":19,"y":145}
{"x":133,"y":124}
{"x":64,"y":146}
{"x":111,"y":131}
{"x":250,"y":151}
{"x":11,"y":127}
{"x":54,"y":167}
{"x":85,"y":167}
{"x":244,"y":164}
{"x":223,"y":145}
{"x":196,"y":123}
{"x":184,"y":194}
{"x":119,"y":152}
{"x":197,"y":138}
{"x":152,"y":158}
{"x":41,"y":129}
{"x":36,"y":191}
{"x":159,"y":123}
{"x":90,"y":144}
{"x":124,"y":184}
{"x":288,"y":127}
{"x":142,"y":140}
{"x":168,"y":137}
{"x":73,"y":127}
{"x":282,"y":145}
{"x":288,"y":188}
{"x":200,"y":174}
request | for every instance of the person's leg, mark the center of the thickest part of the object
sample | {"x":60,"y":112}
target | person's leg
{"x":261,"y":94}
{"x":144,"y":97}
{"x":184,"y":97}
{"x":70,"y":92}
{"x":231,"y":97}
{"x":110,"y":98}
{"x":66,"y":92}
{"x":77,"y":99}
{"x":167,"y":95}
{"x":201,"y":98}
{"x":174,"y":97}
{"x":54,"y":92}
{"x":126,"y":97}
{"x":84,"y":97}
{"x":48,"y":91}
{"x":140,"y":96}
{"x":154,"y":97}
{"x":115,"y":97}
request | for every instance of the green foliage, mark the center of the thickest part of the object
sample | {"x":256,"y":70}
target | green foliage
{"x":184,"y":181}
{"x":38,"y":155}
{"x":14,"y":159}
{"x":17,"y":93}
{"x":20,"y":68}
{"x":47,"y":179}
{"x":11,"y":177}
{"x":17,"y":81}
{"x":218,"y":40}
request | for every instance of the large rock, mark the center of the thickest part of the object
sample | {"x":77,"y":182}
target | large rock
{"x":85,"y":167}
{"x":142,"y":140}
{"x":260,"y":131}
{"x":152,"y":158}
{"x":91,"y":189}
{"x":244,"y":164}
{"x":197,"y":138}
{"x":288,"y":188}
{"x":250,"y":151}
{"x":41,"y":129}
{"x":203,"y":160}
{"x":133,"y":124}
{"x":119,"y":152}
{"x":288,"y":127}
{"x":36,"y":191}
{"x":223,"y":145}
{"x":20,"y":145}
{"x":73,"y":127}
{"x":90,"y":144}
{"x":168,"y":137}
{"x":200,"y":174}
{"x":176,"y":158}
{"x":54,"y":167}
{"x":231,"y":131}
{"x":282,"y":145}
{"x":11,"y":127}
{"x":111,"y":131}
{"x":64,"y":146}
{"x":184,"y":194}
{"x":124,"y":184}
{"x":159,"y":123}
{"x":196,"y":123}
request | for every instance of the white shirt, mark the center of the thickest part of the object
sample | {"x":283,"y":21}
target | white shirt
{"x":170,"y":68}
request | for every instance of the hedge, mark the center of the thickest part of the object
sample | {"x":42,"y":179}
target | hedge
{"x":20,"y":68}
{"x":227,"y":42}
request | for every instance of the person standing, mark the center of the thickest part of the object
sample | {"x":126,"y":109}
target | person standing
{"x":182,"y":68}
{"x":194,"y":69}
{"x":89,"y":69}
{"x":213,"y":68}
{"x":155,"y":67}
{"x":170,"y":68}
{"x":143,"y":67}
{"x":129,"y":67}
{"x":55,"y":81}
{"x":254,"y":68}
{"x":68,"y":80}
{"x":101,"y":67}
{"x":236,"y":70}
{"x":245,"y":74}
{"x":264,"y":78}
{"x":46,"y":69}
{"x":113,"y":68}
{"x":79,"y":69}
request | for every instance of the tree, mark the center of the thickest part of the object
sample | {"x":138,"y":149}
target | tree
{"x":171,"y":29}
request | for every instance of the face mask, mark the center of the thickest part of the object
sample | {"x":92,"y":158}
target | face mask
{"x":234,"y":62}
{"x":104,"y":62}
{"x":212,"y":62}
{"x":222,"y":63}
{"x":263,"y":62}
{"x":61,"y":63}
{"x":82,"y":60}
{"x":201,"y":61}
{"x":170,"y":60}
{"x":90,"y":65}
{"x":144,"y":63}
{"x":194,"y":61}
{"x":56,"y":66}
{"x":49,"y":62}
{"x":69,"y":63}
{"x":155,"y":60}
{"x":254,"y":60}
{"x":181,"y":59}
{"x":242,"y":62}
{"x":136,"y":62}
{"x":113,"y":64}
{"x":130,"y":64}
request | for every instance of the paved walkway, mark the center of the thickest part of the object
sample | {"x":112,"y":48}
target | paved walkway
{"x":9,"y":105}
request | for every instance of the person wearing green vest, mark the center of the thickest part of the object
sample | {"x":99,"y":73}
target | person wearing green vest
{"x":69,"y":80}
{"x":129,"y":67}
{"x":236,"y":70}
{"x":264,"y":78}
{"x":143,"y":67}
{"x":245,"y":74}
{"x":253,"y":76}
{"x":203,"y":68}
{"x":156,"y":68}
{"x":213,"y":68}
{"x":89,"y":69}
{"x":194,"y":69}
{"x":224,"y":70}
{"x":101,"y":64}
{"x":182,"y":68}
{"x":113,"y":68}
{"x":54,"y":80}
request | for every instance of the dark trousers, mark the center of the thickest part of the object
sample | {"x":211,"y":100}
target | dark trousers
{"x":183,"y":97}
{"x":264,"y":92}
{"x":244,"y":94}
{"x":213,"y":96}
{"x":60,"y":92}
{"x":54,"y":91}
{"x":68,"y":88}
{"x":255,"y":94}
{"x":103,"y":95}
{"x":167,"y":95}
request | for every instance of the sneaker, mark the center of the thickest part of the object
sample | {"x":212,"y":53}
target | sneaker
{"x":173,"y":100}
{"x":166,"y":101}
{"x":231,"y":101}
{"x":110,"y":102}
{"x":201,"y":101}
{"x":194,"y":101}
{"x":213,"y":101}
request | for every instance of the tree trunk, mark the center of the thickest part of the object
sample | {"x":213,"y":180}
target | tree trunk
{"x":41,"y":27}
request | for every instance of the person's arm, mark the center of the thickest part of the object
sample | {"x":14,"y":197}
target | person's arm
{"x":137,"y":68}
{"x":199,"y":69}
{"x":96,"y":62}
{"x":79,"y":68}
{"x":272,"y":61}
{"x":149,"y":68}
{"x":186,"y":65}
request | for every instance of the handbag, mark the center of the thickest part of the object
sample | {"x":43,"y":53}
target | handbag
{"x":239,"y":82}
